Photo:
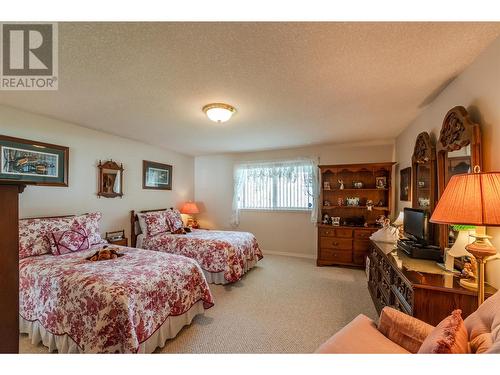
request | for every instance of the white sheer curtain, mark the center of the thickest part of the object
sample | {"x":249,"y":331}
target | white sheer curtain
{"x":276,"y":185}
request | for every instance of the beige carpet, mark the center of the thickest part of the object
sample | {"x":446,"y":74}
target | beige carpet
{"x":284,"y":305}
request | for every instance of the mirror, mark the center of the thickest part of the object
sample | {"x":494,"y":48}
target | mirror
{"x":459,"y":151}
{"x":110,"y":179}
{"x":424,"y":177}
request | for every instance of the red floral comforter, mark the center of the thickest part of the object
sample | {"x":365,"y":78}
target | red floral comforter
{"x":215,"y":250}
{"x":112,"y":305}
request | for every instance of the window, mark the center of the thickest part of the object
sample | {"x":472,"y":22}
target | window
{"x":285,"y":185}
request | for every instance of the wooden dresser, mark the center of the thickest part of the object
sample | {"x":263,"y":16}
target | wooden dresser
{"x":417,"y":287}
{"x":343,"y":245}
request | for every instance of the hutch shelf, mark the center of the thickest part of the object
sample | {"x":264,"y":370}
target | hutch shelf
{"x":353,"y":197}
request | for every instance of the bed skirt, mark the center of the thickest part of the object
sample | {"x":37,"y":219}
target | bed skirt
{"x":218,"y":277}
{"x":64,"y":344}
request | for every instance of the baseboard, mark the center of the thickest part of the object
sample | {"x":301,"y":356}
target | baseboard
{"x":295,"y":255}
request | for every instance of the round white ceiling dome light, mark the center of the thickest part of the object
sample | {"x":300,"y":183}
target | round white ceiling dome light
{"x":219,"y":112}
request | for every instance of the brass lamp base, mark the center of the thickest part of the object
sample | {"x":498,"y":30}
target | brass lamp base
{"x":481,"y":248}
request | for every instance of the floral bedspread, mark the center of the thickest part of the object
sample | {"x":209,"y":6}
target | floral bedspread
{"x":109,"y":306}
{"x":215,"y":251}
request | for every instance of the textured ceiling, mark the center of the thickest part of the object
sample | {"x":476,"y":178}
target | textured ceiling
{"x":293,"y":84}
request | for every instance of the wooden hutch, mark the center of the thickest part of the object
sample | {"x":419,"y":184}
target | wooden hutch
{"x":355,"y":196}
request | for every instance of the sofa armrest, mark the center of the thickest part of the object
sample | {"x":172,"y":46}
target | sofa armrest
{"x":405,"y":330}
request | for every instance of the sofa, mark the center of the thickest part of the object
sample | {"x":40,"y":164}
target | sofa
{"x":398,"y":333}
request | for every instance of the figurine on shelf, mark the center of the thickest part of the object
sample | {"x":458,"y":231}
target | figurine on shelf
{"x":327,"y":203}
{"x":381,"y":182}
{"x":369,"y":204}
{"x":326,"y":219}
{"x":336,"y":221}
{"x":470,"y":270}
{"x":341,"y":184}
{"x":326,"y":185}
{"x":340,"y":201}
{"x":357,"y":184}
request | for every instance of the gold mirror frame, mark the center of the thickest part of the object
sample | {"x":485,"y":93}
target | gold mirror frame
{"x":457,"y":132}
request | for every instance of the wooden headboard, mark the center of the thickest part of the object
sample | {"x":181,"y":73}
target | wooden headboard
{"x":47,"y":217}
{"x":133,"y":219}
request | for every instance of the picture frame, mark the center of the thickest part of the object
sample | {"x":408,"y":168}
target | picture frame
{"x":336,"y":221}
{"x":30,"y":162}
{"x":381,"y":182}
{"x":405,"y":184}
{"x":156,"y":176}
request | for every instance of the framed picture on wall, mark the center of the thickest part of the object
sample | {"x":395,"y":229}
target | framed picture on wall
{"x":33,"y":163}
{"x":156,"y":176}
{"x":405,"y":184}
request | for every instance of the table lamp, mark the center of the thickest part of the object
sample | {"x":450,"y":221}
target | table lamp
{"x":398,"y":223}
{"x":464,"y":237}
{"x":190,"y":208}
{"x":472,"y":199}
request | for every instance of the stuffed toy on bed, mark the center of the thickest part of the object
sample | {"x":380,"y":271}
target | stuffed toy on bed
{"x":104,"y":254}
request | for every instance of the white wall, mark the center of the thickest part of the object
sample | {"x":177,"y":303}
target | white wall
{"x":478,"y":90}
{"x":282,"y":232}
{"x":87,"y":147}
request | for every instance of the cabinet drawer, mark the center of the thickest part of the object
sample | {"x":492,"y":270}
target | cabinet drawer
{"x":335,"y":243}
{"x":362,"y":234}
{"x":344,"y":233}
{"x":361,"y":245}
{"x":340,"y":256}
{"x":326,"y":232}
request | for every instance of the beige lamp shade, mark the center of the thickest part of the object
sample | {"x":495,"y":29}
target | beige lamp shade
{"x":470,"y":199}
{"x":400,"y":219}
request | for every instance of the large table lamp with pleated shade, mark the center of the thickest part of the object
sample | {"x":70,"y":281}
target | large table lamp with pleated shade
{"x":472,"y":199}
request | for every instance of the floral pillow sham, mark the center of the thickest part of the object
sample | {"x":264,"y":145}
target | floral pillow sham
{"x":35,"y":234}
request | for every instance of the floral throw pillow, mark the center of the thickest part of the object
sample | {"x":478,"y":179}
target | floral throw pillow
{"x":155,"y":223}
{"x":34,"y":234}
{"x":90,"y":222}
{"x":174,"y":220}
{"x":69,"y":241}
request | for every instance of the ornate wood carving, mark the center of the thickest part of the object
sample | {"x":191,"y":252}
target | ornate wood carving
{"x":424,"y":150}
{"x":456,"y":129}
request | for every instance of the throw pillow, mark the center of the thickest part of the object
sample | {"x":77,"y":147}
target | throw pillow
{"x":448,"y":337}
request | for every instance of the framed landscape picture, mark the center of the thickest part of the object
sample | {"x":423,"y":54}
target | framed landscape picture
{"x":33,"y":163}
{"x":156,"y":175}
{"x":405,"y":184}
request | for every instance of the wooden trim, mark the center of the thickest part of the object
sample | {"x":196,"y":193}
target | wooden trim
{"x":113,"y":166}
{"x":65,"y":149}
{"x":469,"y":133}
{"x":47,"y":217}
{"x":9,"y":268}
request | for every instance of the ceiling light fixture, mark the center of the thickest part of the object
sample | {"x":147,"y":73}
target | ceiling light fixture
{"x":219,"y":112}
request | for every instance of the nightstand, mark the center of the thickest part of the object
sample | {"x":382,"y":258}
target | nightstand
{"x":117,"y":238}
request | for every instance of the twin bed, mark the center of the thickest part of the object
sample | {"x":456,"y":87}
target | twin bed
{"x":224,"y":256}
{"x":130,"y":304}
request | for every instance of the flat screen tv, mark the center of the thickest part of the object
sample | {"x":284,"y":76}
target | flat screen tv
{"x":416,"y":224}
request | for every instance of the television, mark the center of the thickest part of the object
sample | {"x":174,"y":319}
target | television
{"x":416,"y":225}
